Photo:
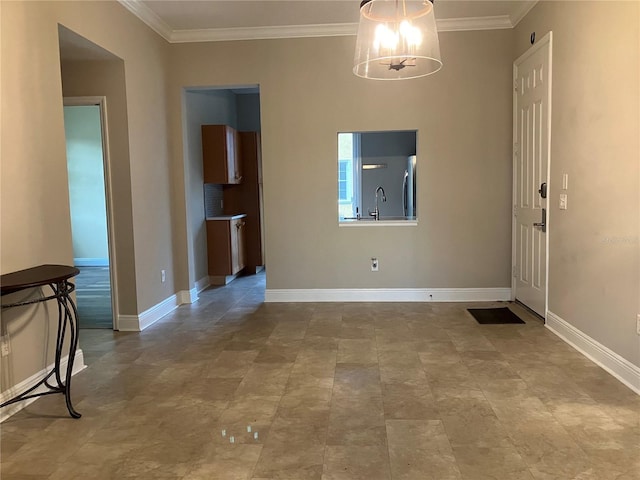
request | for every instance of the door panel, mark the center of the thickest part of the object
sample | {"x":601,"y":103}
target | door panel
{"x":532,"y":101}
{"x":525,"y":267}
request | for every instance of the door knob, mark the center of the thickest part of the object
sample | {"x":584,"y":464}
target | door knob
{"x":543,"y":223}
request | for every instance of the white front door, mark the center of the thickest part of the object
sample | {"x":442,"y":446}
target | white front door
{"x":531,"y":139}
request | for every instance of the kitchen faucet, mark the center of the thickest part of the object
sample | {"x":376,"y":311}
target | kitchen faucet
{"x":376,"y":213}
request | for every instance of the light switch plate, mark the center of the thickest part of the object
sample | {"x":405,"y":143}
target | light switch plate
{"x":563,"y":201}
{"x":5,"y":345}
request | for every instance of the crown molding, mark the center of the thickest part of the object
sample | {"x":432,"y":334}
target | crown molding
{"x":148,"y":17}
{"x":524,"y":8}
{"x":474,"y":23}
{"x":262,"y":33}
{"x":326,"y":30}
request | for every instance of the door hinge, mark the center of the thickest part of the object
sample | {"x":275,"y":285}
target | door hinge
{"x":514,"y":271}
{"x":515,"y":85}
{"x":515,"y":210}
{"x":516,"y":148}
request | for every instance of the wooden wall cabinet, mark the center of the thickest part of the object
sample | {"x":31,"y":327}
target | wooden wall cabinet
{"x":220,"y":156}
{"x":226,"y":245}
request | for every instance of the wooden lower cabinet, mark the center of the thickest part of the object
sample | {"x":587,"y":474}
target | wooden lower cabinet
{"x":226,"y":245}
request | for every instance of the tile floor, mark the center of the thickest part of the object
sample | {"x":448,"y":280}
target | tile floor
{"x":333,"y":392}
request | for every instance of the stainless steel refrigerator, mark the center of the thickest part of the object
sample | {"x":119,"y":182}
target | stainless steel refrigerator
{"x":409,"y":188}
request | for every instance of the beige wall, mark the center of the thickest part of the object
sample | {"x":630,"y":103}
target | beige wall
{"x":594,"y":280}
{"x":106,"y":78}
{"x":308,"y":94}
{"x":34,"y":196}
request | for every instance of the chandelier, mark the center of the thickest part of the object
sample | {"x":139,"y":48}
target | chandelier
{"x":397,"y":39}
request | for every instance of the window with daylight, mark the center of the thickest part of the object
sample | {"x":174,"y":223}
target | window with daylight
{"x":343,"y":180}
{"x":348,"y":167}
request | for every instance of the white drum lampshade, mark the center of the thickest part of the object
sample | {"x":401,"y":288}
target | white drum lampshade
{"x":397,"y":39}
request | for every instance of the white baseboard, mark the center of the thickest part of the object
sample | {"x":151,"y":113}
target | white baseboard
{"x":9,"y":410}
{"x":188,"y":296}
{"x":137,"y":323}
{"x":128,"y":323}
{"x":389,"y":295}
{"x":619,"y":367}
{"x":91,"y":262}
{"x":202,"y":284}
{"x":191,"y":296}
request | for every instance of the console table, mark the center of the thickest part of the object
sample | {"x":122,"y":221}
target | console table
{"x":57,"y":278}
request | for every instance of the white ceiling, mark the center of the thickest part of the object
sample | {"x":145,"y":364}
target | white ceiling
{"x":211,"y":20}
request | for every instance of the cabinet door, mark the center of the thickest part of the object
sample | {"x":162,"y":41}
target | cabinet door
{"x":220,"y":155}
{"x":219,"y":247}
{"x":234,"y":165}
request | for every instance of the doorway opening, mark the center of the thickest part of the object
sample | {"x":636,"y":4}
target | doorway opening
{"x":236,"y":109}
{"x":91,"y":226}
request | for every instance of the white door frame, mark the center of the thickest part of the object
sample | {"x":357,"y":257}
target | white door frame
{"x":101,"y":101}
{"x":544,"y":42}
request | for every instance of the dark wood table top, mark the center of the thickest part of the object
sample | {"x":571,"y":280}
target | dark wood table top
{"x":35,"y":277}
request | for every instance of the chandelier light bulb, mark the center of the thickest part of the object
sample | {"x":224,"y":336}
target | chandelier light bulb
{"x":385,"y":38}
{"x":411,"y":34}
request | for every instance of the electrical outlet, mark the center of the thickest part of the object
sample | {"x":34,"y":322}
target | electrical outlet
{"x":163,"y":275}
{"x":5,"y":346}
{"x":638,"y":324}
{"x":374,"y":264}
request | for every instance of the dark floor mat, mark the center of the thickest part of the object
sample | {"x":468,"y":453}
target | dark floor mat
{"x":489,"y":316}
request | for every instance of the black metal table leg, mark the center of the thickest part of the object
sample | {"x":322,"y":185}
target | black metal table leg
{"x":71,"y":316}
